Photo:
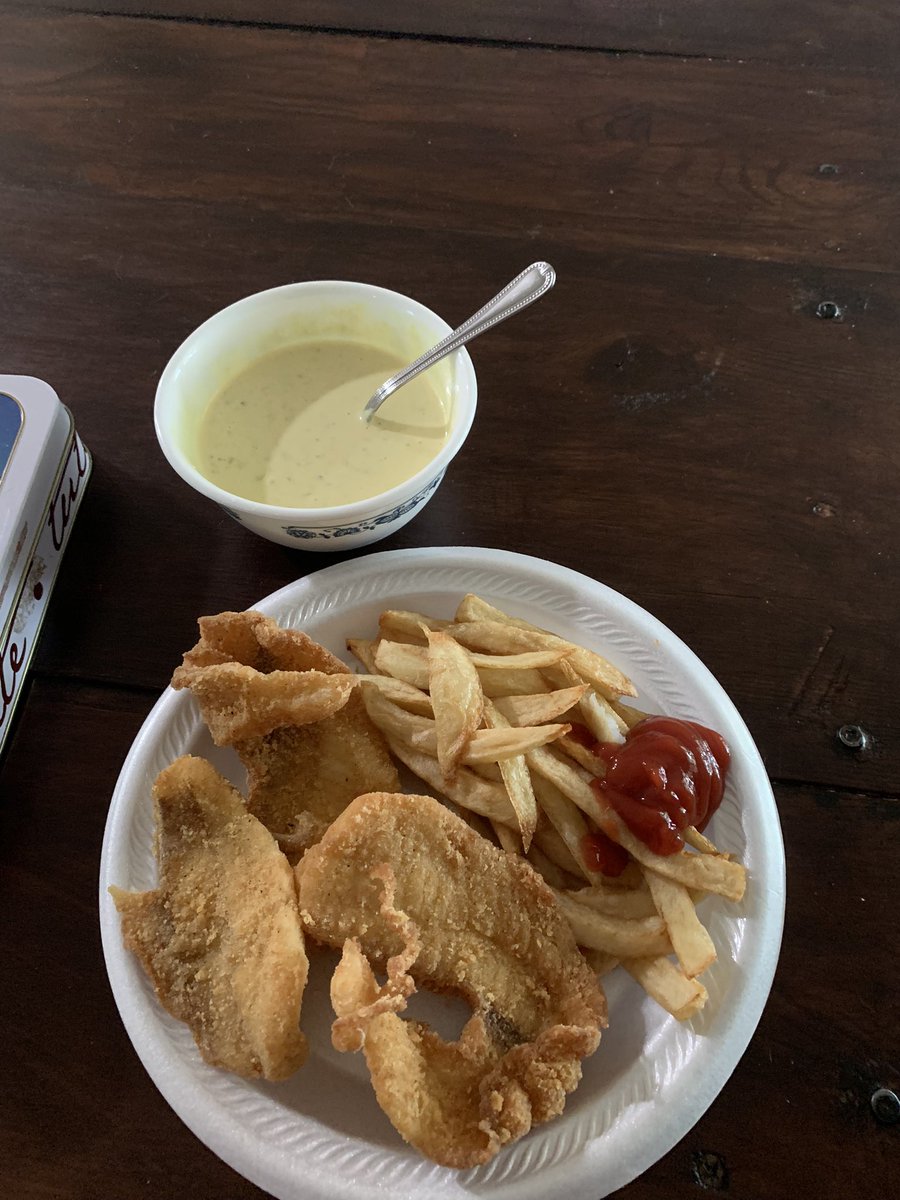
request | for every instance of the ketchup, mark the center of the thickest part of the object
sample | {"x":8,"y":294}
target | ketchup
{"x":602,"y":854}
{"x":667,"y":775}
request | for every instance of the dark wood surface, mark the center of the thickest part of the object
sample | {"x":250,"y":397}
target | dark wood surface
{"x":675,"y":420}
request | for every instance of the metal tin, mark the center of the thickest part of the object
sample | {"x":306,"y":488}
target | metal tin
{"x":44,"y":469}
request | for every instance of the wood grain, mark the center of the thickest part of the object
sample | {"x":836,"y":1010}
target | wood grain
{"x":608,"y":155}
{"x":826,"y":32}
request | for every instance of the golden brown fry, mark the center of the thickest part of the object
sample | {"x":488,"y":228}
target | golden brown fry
{"x":404,"y":695}
{"x":409,"y":663}
{"x":631,"y":903}
{"x":421,"y":733}
{"x":704,"y":872}
{"x":220,"y":937}
{"x":631,"y":716}
{"x":396,"y":624}
{"x":364,"y":649}
{"x":668,"y":985}
{"x":693,"y":837}
{"x":690,"y":940}
{"x":550,"y":843}
{"x":565,"y":819}
{"x":539,"y":707}
{"x":599,"y":961}
{"x":531,"y":660}
{"x":587,"y":759}
{"x":565,"y":777}
{"x":457,"y":699}
{"x":595,"y":710}
{"x":510,"y":839}
{"x":595,"y":669}
{"x":516,"y":777}
{"x":468,"y":790}
{"x":622,"y":936}
{"x":552,"y":875}
{"x":499,"y":683}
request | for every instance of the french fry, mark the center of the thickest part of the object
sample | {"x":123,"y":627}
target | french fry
{"x":602,"y":719}
{"x":600,"y":673}
{"x":468,"y":790}
{"x":703,"y":872}
{"x":539,"y":707}
{"x":422,"y":733}
{"x":402,"y":661}
{"x":497,"y":683}
{"x":565,"y":819}
{"x":642,"y":937}
{"x":599,"y":962}
{"x":596,"y":711}
{"x":396,"y":625}
{"x":504,"y":745}
{"x":510,"y":840}
{"x":404,"y":695}
{"x":668,"y":986}
{"x":631,"y":716}
{"x":516,"y":777}
{"x":690,"y":940}
{"x":693,"y":837}
{"x":554,"y":876}
{"x":585,"y":758}
{"x":566,"y":778}
{"x":631,"y":903}
{"x":549,"y":842}
{"x":529,"y":661}
{"x":706,"y":872}
{"x":364,"y":649}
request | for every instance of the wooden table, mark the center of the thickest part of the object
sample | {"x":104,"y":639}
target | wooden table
{"x":703,"y":415}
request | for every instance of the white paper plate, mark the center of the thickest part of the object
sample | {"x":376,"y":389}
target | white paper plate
{"x":321,"y":1134}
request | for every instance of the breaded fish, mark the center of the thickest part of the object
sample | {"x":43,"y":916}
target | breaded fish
{"x":300,"y":776}
{"x":406,"y":887}
{"x":220,"y":937}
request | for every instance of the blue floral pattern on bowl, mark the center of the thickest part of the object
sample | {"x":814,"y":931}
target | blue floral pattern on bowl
{"x":326,"y":532}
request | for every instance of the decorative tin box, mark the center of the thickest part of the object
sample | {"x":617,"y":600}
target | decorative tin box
{"x":44,"y":468}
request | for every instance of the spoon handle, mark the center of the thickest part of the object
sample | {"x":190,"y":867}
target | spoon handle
{"x":518,"y":294}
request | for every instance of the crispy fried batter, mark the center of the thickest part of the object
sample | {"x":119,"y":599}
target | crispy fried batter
{"x":221,"y":937}
{"x":238,"y":702}
{"x":300,"y":776}
{"x":394,"y":870}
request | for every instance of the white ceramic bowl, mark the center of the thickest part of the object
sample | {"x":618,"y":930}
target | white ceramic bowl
{"x":267,"y":321}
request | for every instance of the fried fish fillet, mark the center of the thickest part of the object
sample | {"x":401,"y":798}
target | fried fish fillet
{"x":220,"y":937}
{"x":405,"y":886}
{"x":300,"y":776}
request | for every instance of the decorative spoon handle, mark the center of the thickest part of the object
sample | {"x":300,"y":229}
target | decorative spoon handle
{"x":518,"y":294}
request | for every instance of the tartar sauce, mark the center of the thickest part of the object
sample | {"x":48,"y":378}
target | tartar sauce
{"x":288,"y":429}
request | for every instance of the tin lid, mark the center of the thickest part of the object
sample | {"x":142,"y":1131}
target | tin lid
{"x":43,"y":467}
{"x":34,"y":429}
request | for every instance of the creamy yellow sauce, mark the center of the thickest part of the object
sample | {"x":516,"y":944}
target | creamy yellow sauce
{"x":288,"y":430}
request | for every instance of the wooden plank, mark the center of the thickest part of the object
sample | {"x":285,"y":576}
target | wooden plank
{"x":820,"y":32}
{"x":595,"y":152}
{"x":79,"y":1116}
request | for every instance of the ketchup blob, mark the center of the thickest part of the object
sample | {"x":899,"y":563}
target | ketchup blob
{"x":668,"y":774}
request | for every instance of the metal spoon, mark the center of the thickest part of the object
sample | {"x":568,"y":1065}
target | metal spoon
{"x":518,"y":294}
